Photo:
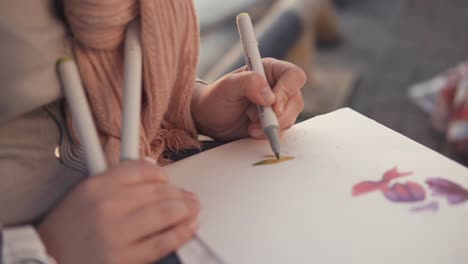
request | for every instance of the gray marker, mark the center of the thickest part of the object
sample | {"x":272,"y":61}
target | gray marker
{"x":82,"y":118}
{"x":253,"y":60}
{"x":133,"y":63}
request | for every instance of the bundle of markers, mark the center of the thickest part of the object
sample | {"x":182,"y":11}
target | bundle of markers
{"x":445,"y":98}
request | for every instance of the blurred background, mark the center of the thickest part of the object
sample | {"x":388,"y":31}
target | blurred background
{"x":363,"y":54}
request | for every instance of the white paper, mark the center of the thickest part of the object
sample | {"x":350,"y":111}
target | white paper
{"x":197,"y":252}
{"x":302,"y":211}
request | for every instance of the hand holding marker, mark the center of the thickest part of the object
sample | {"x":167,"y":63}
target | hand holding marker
{"x":253,"y":60}
{"x":81,"y":113}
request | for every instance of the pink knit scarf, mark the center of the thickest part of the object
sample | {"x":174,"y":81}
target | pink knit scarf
{"x":170,"y":40}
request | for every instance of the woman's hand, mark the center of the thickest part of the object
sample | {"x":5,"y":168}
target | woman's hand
{"x":225,"y":110}
{"x":128,"y":215}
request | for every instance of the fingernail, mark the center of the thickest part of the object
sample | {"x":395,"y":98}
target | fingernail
{"x":192,"y":195}
{"x":194,"y":225}
{"x":256,"y":132}
{"x":268,"y":95}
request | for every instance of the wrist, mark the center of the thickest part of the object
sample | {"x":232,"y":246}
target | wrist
{"x":196,"y":104}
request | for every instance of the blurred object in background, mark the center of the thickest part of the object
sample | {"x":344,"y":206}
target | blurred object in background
{"x":287,"y":30}
{"x":213,"y":13}
{"x":445,"y":98}
{"x":343,"y":3}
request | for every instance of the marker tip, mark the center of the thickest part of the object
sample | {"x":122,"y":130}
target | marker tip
{"x":277,"y":155}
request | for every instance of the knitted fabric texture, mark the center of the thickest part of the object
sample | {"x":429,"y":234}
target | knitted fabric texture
{"x":170,"y":43}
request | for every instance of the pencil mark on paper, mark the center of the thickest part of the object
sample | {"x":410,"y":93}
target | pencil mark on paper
{"x":404,"y":192}
{"x":271,"y":159}
{"x":453,"y":192}
{"x":370,"y":186}
{"x":429,"y":207}
{"x":410,"y":191}
{"x":397,"y":193}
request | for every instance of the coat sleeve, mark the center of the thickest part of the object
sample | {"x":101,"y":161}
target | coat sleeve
{"x":32,"y":38}
{"x":22,"y":245}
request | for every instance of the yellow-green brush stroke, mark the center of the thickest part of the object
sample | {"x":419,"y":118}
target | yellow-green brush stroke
{"x":272,"y":160}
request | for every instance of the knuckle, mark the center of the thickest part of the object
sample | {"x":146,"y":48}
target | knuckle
{"x":289,"y":126}
{"x":228,"y":80}
{"x":282,"y":94}
{"x":143,"y":169}
{"x":254,"y":80}
{"x":300,"y":105}
{"x":168,"y":191}
{"x":177,"y":193}
{"x":173,"y":212}
{"x":301,"y":75}
{"x":269,"y":60}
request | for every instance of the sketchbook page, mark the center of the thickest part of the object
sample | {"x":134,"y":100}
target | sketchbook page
{"x":303,"y":210}
{"x":196,"y":252}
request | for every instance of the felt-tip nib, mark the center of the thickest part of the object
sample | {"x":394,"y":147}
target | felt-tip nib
{"x":277,"y":155}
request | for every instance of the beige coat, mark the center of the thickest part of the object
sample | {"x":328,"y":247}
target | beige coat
{"x":32,"y":39}
{"x":38,"y":164}
{"x":32,"y":136}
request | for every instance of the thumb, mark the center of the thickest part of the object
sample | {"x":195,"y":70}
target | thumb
{"x":250,"y":85}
